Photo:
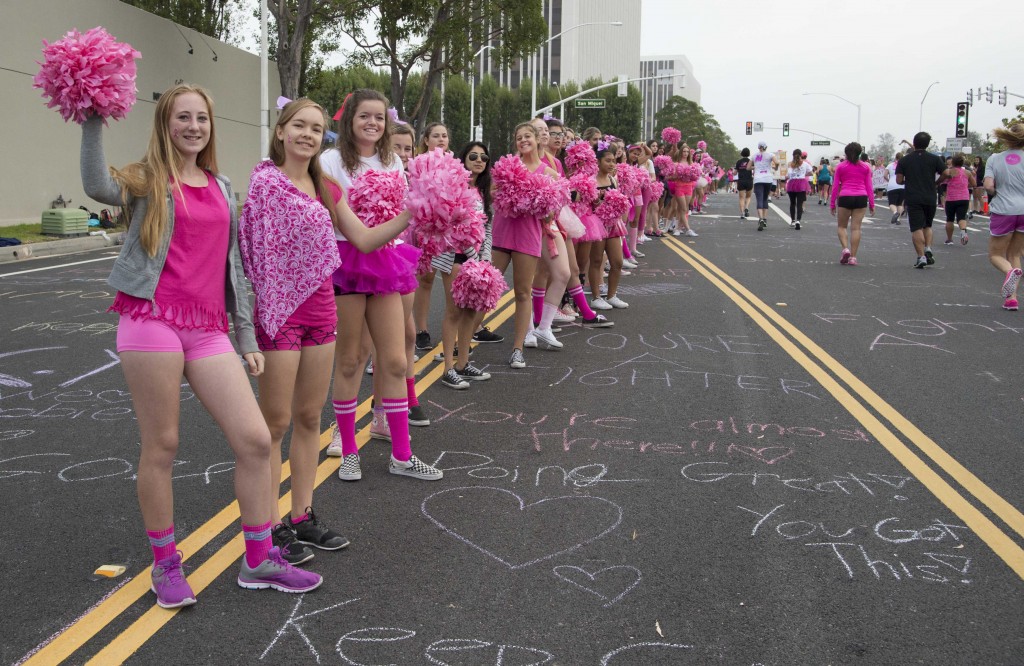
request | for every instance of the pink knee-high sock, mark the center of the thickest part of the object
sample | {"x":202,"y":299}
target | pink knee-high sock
{"x":345,"y":414}
{"x":548,"y":316}
{"x":257,"y":543}
{"x":538,"y":304}
{"x":410,"y":391}
{"x":625,"y":249}
{"x":580,"y":299}
{"x":163,"y":544}
{"x":396,"y":411}
{"x":631,"y":241}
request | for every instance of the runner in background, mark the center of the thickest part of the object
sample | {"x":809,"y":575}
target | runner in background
{"x":959,"y":184}
{"x":894,"y":193}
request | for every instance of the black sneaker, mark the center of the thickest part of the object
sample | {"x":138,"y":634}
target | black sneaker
{"x":485,"y":335}
{"x":314,"y":533}
{"x":597,"y":321}
{"x":452,"y":380}
{"x":761,"y":225}
{"x":473,"y":373}
{"x":291,"y":550}
{"x":796,"y":225}
{"x":423,"y":341}
{"x":928,"y":257}
{"x":418,"y":417}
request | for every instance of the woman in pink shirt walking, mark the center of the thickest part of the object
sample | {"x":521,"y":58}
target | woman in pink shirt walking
{"x":852,"y":194}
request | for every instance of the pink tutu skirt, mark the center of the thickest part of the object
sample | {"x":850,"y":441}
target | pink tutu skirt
{"x":615,"y":228}
{"x":594,"y":229}
{"x":387,"y":270}
{"x":680,"y":189}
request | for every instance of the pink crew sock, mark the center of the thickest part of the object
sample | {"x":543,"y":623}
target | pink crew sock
{"x":538,"y":304}
{"x":410,"y":391}
{"x":631,"y":243}
{"x":345,"y":414}
{"x":396,"y":411}
{"x":548,"y":316}
{"x":162,"y":543}
{"x":257,"y":543}
{"x":625,"y":247}
{"x":580,"y":299}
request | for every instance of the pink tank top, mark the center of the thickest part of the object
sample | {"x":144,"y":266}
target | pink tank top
{"x":956,"y":187}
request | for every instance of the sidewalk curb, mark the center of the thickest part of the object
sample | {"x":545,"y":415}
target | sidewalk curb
{"x":15,"y":253}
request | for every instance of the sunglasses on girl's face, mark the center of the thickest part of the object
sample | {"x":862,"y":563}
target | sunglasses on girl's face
{"x":475,"y":157}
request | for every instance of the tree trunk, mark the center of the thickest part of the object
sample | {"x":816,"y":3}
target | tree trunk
{"x":291,"y":31}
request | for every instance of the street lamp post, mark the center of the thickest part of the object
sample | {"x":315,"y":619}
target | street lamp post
{"x":920,"y":115}
{"x":848,"y":102}
{"x":472,"y":92}
{"x":536,"y":60}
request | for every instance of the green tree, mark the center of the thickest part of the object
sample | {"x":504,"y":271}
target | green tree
{"x":696,"y":124}
{"x":210,"y":17}
{"x":886,"y":147}
{"x":439,"y":36}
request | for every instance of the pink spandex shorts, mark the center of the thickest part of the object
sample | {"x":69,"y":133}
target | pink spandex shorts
{"x":154,"y":335}
{"x":293,"y":337}
{"x":1000,"y":225}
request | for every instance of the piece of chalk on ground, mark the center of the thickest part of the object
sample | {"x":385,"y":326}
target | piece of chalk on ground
{"x":110,"y":570}
{"x":781,"y":305}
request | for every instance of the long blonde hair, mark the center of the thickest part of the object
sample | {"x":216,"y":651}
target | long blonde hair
{"x":315,"y":171}
{"x":1012,"y":136}
{"x":161,"y":165}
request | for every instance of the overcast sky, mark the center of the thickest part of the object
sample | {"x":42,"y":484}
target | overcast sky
{"x":754,"y":60}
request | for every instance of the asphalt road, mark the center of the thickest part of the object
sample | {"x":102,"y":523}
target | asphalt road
{"x":770,"y":459}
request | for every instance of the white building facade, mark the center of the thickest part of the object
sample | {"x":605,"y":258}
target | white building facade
{"x":656,"y":92}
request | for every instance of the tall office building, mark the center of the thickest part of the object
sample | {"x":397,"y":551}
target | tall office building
{"x":679,"y":80}
{"x":577,"y":52}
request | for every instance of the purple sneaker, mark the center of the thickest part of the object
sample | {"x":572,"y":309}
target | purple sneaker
{"x":274,"y":572}
{"x":169,"y":584}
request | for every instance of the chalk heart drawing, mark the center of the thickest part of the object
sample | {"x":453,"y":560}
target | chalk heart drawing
{"x":609,"y":584}
{"x":766,"y":454}
{"x":499,"y":524}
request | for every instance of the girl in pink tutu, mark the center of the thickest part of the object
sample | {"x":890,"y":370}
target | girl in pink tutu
{"x":177,"y":277}
{"x":681,"y":189}
{"x":374,"y":273}
{"x":519,"y":241}
{"x":296,"y":318}
{"x":434,"y":136}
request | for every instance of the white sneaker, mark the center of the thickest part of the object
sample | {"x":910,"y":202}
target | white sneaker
{"x":629,"y":264}
{"x":546,"y":339}
{"x":561,"y":318}
{"x":617,"y":302}
{"x":369,"y":367}
{"x":625,"y":272}
{"x":691,"y":233}
{"x":678,"y":232}
{"x":334,"y":448}
{"x":600,"y":303}
{"x":415,"y":468}
{"x":602,"y":290}
{"x":639,"y":254}
{"x":531,"y":339}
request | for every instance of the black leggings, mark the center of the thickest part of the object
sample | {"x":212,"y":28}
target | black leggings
{"x":796,"y":205}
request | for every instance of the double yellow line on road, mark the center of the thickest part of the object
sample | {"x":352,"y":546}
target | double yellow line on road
{"x":124,"y":645}
{"x":857,"y":398}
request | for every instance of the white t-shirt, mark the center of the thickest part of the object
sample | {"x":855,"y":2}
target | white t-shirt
{"x":332,"y":165}
{"x":893,"y":185}
{"x":762,"y":164}
{"x":801,"y":172}
{"x":1007,"y":170}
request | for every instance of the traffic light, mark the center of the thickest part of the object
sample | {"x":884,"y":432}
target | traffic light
{"x":750,"y":127}
{"x":970,"y":97}
{"x":988,"y":94}
{"x":1002,"y":96}
{"x":961,"y":118}
{"x":785,"y":129}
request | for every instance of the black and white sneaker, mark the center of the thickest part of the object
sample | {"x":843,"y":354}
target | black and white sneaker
{"x":452,"y":380}
{"x":929,"y":257}
{"x":418,"y":417}
{"x":415,"y":468}
{"x":314,"y":533}
{"x":761,"y":224}
{"x":473,"y":373}
{"x":597,"y":321}
{"x":423,"y":341}
{"x":292,"y":551}
{"x":486,"y":336}
{"x":796,"y":225}
{"x":517,"y":361}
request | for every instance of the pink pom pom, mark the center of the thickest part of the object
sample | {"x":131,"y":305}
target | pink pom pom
{"x":657,"y":189}
{"x":671,"y":135}
{"x":580,"y":158}
{"x":702,"y":145}
{"x":478,"y":286}
{"x":663,"y":162}
{"x":87,"y":75}
{"x":585,"y":187}
{"x":378,"y":196}
{"x":628,"y":179}
{"x":521,"y":193}
{"x":614,"y":205}
{"x":447,"y":213}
